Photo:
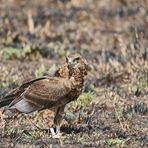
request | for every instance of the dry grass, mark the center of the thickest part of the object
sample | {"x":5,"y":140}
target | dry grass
{"x":35,"y":36}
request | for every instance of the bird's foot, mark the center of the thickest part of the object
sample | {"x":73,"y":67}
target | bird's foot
{"x":56,"y":134}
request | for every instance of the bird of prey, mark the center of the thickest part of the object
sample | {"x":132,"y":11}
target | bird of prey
{"x":50,"y":92}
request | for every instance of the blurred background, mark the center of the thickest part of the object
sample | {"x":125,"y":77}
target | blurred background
{"x":35,"y":37}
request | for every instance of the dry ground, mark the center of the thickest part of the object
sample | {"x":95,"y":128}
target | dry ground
{"x":36,"y":35}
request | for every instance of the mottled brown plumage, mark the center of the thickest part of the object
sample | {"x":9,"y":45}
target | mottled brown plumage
{"x":50,"y":92}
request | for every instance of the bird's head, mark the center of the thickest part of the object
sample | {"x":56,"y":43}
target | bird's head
{"x":76,"y":61}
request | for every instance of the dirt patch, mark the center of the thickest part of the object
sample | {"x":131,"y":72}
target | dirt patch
{"x":35,"y":36}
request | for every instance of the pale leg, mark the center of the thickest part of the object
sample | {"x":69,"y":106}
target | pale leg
{"x":57,"y":122}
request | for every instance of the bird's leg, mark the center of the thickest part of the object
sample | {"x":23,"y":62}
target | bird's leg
{"x":56,"y":134}
{"x":52,"y":132}
{"x":57,"y":122}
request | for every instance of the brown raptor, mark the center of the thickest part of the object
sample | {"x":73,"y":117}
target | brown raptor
{"x":50,"y":92}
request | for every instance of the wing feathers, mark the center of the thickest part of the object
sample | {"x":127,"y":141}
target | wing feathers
{"x":25,"y":106}
{"x":13,"y":96}
{"x":36,"y":94}
{"x":26,"y":84}
{"x":4,"y":102}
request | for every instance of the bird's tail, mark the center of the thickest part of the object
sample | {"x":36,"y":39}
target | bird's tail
{"x":5,"y":101}
{"x":18,"y":91}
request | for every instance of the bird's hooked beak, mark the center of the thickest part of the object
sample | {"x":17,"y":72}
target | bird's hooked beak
{"x":70,"y":62}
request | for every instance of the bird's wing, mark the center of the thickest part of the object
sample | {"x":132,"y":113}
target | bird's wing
{"x":44,"y":93}
{"x":16,"y":93}
{"x":28,"y":82}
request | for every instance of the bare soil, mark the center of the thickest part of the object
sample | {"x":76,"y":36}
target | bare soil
{"x":35,"y":37}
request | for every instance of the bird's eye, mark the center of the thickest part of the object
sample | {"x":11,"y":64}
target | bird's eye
{"x":77,"y":60}
{"x":74,"y":61}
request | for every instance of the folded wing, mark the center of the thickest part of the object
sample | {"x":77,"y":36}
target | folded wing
{"x":40,"y":94}
{"x":12,"y":95}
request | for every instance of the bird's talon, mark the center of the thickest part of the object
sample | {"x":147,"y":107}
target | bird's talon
{"x":56,"y":134}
